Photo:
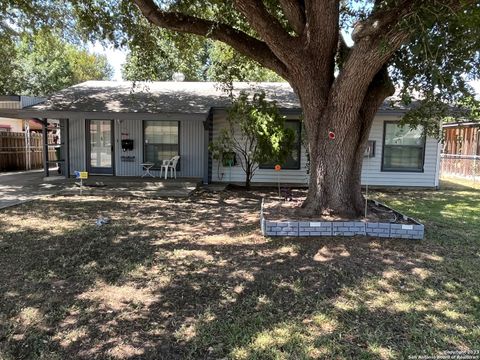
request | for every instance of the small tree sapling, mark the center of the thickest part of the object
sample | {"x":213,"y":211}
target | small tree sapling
{"x":255,"y":133}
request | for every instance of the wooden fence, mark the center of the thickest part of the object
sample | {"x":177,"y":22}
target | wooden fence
{"x":465,"y":166}
{"x":13,"y":152}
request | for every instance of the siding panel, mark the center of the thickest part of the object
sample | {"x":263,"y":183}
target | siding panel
{"x":77,"y":144}
{"x":371,"y":172}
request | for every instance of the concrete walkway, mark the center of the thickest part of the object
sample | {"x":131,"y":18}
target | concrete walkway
{"x":20,"y":187}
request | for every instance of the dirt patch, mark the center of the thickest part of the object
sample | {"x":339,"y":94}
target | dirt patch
{"x":284,"y":210}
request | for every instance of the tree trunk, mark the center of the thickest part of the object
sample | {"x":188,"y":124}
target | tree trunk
{"x":335,"y":166}
{"x":336,"y":163}
{"x":247,"y":176}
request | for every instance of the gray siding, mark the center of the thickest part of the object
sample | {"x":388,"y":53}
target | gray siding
{"x":31,"y":100}
{"x":236,"y":174}
{"x":76,"y":128}
{"x":371,"y":172}
{"x":191,"y":146}
{"x":373,"y":175}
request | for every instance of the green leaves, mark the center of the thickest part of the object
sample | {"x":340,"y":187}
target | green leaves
{"x":256,"y":132}
{"x":43,"y":63}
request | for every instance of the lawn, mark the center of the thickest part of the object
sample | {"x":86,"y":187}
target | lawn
{"x":194,"y":279}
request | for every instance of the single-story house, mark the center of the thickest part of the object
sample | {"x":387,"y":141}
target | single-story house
{"x":112,"y":127}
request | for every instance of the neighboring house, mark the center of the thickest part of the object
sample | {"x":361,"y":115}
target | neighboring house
{"x":461,"y":149}
{"x":18,"y":102}
{"x":163,"y":119}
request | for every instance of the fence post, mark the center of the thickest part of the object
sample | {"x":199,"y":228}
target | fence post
{"x":46,"y":172}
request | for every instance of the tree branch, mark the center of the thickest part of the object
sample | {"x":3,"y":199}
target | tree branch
{"x":343,"y":51}
{"x":269,"y":29}
{"x":323,"y":22}
{"x":384,"y":18}
{"x":294,"y":11}
{"x":240,"y":41}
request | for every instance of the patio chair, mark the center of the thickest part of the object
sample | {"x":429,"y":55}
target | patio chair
{"x":170,"y":164}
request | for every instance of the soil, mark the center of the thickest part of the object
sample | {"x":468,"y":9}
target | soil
{"x":289,"y":208}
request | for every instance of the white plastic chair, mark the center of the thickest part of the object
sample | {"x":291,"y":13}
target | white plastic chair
{"x":170,"y":164}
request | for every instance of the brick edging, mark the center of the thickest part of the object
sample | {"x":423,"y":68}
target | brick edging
{"x":341,"y":228}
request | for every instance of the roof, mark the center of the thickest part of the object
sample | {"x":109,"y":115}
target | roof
{"x":158,"y":97}
{"x":169,"y":97}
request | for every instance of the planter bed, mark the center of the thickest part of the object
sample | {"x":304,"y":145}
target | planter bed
{"x":400,"y":226}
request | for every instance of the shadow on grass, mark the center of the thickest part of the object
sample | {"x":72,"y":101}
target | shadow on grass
{"x":194,"y":279}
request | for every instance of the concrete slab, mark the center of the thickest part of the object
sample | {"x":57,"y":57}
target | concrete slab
{"x":20,"y":187}
{"x":17,"y":188}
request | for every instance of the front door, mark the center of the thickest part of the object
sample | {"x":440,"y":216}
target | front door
{"x":100,"y":147}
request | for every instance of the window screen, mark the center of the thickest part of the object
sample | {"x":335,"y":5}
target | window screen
{"x":161,"y":141}
{"x":403,"y":148}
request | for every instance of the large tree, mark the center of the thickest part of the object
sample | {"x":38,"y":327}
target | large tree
{"x":199,"y":59}
{"x":340,"y":87}
{"x":429,"y":47}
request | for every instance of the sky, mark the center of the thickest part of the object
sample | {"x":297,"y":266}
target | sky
{"x":117,"y":57}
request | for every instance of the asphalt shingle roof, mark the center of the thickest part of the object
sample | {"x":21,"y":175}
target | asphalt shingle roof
{"x":158,"y":97}
{"x":167,"y":97}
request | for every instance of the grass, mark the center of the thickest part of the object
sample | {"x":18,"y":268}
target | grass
{"x":194,"y":279}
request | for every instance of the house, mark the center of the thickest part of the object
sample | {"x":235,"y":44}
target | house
{"x":113,"y":127}
{"x":461,"y":149}
{"x":18,"y":102}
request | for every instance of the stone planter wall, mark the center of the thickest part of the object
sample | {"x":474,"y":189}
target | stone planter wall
{"x":342,"y":228}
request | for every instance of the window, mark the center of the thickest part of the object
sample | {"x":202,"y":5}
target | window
{"x":160,"y":141}
{"x":403,"y":148}
{"x":293,"y":160}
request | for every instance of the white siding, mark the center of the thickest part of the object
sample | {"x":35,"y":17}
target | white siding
{"x":371,"y":172}
{"x":10,"y":105}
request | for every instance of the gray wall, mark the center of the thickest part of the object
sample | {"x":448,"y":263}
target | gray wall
{"x":191,"y":144}
{"x":372,"y":173}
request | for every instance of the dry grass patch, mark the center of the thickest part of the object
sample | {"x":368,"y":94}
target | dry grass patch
{"x":194,"y":279}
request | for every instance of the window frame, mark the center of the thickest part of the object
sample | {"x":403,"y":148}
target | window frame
{"x":143,"y":141}
{"x":299,"y":149}
{"x":407,"y":170}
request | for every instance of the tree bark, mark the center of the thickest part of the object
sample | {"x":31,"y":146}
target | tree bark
{"x":336,"y":163}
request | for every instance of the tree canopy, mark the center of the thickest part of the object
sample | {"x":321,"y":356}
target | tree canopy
{"x":199,"y":59}
{"x":42,"y":63}
{"x":434,"y":64}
